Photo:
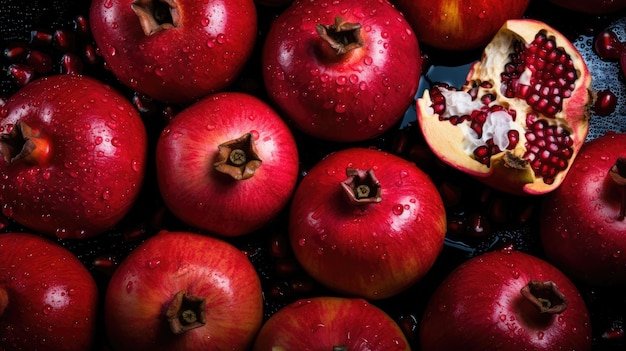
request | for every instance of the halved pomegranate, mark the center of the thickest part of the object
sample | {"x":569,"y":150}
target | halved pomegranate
{"x":519,"y":120}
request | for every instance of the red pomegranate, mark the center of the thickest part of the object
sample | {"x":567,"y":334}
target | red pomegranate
{"x":519,"y":120}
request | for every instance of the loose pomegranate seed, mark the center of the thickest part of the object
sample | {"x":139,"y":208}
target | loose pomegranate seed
{"x":607,"y":45}
{"x":65,"y":40}
{"x":39,"y":37}
{"x":606,"y":102}
{"x":91,"y":54}
{"x":22,"y":74}
{"x":39,"y":61}
{"x":71,"y":64}
{"x":81,"y":26}
{"x":16,"y":52}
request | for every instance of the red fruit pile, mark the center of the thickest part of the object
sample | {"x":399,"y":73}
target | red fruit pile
{"x":251,"y":175}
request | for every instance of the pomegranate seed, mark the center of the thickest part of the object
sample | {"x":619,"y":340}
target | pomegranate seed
{"x":39,"y":61}
{"x":90,"y":54}
{"x":286,"y":268}
{"x":81,"y":26}
{"x":16,"y":52}
{"x":22,"y":74}
{"x":65,"y":40}
{"x":71,"y":64}
{"x":278,"y":246}
{"x":479,"y":226}
{"x":302,"y":286}
{"x":39,"y":37}
{"x":606,"y":102}
{"x":106,"y":264}
{"x":607,"y":45}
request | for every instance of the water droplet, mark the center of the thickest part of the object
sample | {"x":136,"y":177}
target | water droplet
{"x":205,"y":21}
{"x":47,"y":309}
{"x":135,"y":166}
{"x":302,"y":241}
{"x":368,"y":60}
{"x":129,"y":287}
{"x":221,"y":38}
{"x":398,"y":209}
{"x":154,"y":263}
{"x":540,"y":335}
{"x":340,"y":108}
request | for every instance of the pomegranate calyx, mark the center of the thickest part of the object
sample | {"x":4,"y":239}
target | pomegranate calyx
{"x":156,"y":15}
{"x":24,"y":143}
{"x":238,"y":157}
{"x":361,"y":187}
{"x":545,"y":295}
{"x":342,"y":36}
{"x":186,"y":312}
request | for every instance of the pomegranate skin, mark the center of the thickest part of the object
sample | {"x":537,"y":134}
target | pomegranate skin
{"x":479,"y":306}
{"x":581,"y":232}
{"x":349,"y":97}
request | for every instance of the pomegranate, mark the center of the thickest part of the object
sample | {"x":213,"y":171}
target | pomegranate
{"x":522,"y":115}
{"x":506,"y":300}
{"x":583,"y":226}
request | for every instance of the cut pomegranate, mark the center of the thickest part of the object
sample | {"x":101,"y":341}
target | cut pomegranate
{"x":520,"y":118}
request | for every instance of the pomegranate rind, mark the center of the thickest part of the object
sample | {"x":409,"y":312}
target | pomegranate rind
{"x":446,"y":140}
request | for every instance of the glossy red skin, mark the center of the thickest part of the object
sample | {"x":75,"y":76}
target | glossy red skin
{"x":143,"y":285}
{"x":97,"y":162}
{"x":479,"y":307}
{"x":203,"y":54}
{"x":203,"y":197}
{"x":352,"y":97}
{"x":52,"y":297}
{"x":580,"y":229}
{"x":322,"y":322}
{"x":459,"y":25}
{"x":596,"y":7}
{"x":372,"y":251}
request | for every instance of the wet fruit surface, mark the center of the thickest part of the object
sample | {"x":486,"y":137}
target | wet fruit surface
{"x":35,"y":43}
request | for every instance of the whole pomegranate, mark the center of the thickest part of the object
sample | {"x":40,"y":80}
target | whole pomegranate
{"x":73,"y":153}
{"x":519,"y":120}
{"x":366,"y":223}
{"x":459,"y":25}
{"x":48,"y":299}
{"x":583,"y":225}
{"x":342,"y":70}
{"x":506,"y":300}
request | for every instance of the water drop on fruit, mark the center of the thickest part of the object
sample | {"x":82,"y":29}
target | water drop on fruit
{"x":398,"y":209}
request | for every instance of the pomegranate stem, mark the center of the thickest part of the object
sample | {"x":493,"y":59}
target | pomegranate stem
{"x":156,"y":15}
{"x":238,"y":158}
{"x":618,"y":174}
{"x":186,"y":312}
{"x":23,"y":143}
{"x":361,"y":187}
{"x":342,"y":36}
{"x":4,"y":300}
{"x":546,"y":296}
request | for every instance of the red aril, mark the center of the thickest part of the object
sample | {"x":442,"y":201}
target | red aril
{"x":607,"y":45}
{"x":605,"y":102}
{"x":522,"y":115}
